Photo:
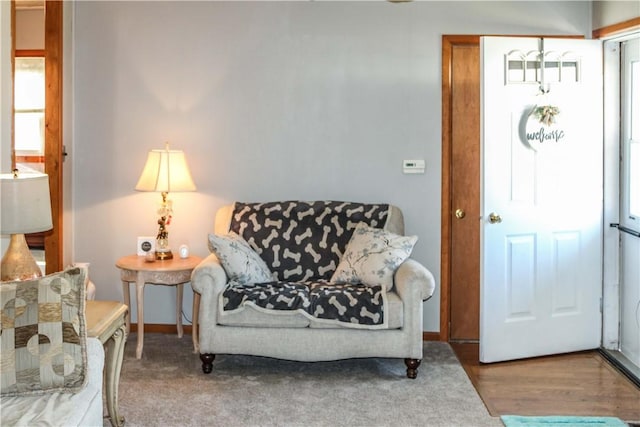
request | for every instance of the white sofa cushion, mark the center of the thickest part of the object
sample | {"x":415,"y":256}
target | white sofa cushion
{"x":250,"y":316}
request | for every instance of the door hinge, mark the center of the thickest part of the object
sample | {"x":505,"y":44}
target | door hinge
{"x":64,"y":153}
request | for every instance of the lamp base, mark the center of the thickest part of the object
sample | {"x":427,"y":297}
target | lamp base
{"x":165,"y":254}
{"x":18,"y":263}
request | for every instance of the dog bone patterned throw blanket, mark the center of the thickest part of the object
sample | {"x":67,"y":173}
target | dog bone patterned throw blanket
{"x":350,"y":305}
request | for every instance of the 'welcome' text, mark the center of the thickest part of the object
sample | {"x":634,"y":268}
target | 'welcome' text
{"x":544,"y":136}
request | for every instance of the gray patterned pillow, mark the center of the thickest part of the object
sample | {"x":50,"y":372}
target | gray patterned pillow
{"x":241,"y":263}
{"x":372,"y":256}
{"x":43,"y":335}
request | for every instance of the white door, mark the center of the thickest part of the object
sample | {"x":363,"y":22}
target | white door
{"x":541,"y":278}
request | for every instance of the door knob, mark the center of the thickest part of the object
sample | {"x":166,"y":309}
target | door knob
{"x":494,"y":218}
{"x":460,"y":213}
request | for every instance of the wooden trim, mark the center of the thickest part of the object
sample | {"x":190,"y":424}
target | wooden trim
{"x":36,"y":53}
{"x":53,"y":130}
{"x":431,"y":336}
{"x":13,"y":72}
{"x":621,"y":27}
{"x":161,"y":328}
{"x":448,"y":41}
{"x":35,"y":240}
{"x":30,"y":159}
{"x":531,"y":36}
{"x":445,"y":195}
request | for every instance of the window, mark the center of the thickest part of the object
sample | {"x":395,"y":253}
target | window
{"x":536,"y":66}
{"x":29,"y":111}
{"x":631,"y":135}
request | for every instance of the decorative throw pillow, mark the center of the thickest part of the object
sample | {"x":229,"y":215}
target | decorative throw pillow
{"x":372,"y":256}
{"x":241,"y":263}
{"x":44,"y":338}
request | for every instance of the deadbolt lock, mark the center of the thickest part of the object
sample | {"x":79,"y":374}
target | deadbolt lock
{"x":460,"y":213}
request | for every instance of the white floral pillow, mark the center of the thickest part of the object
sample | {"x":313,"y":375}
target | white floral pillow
{"x":372,"y":256}
{"x":241,"y":263}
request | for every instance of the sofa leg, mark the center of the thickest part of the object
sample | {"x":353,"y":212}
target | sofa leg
{"x":412,"y":367}
{"x":207,"y":362}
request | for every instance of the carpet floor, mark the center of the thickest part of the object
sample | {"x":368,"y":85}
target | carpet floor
{"x":167,"y":388}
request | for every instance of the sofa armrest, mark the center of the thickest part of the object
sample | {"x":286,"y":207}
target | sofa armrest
{"x":208,"y":276}
{"x":54,"y":408}
{"x":411,"y":274}
{"x":207,"y":280}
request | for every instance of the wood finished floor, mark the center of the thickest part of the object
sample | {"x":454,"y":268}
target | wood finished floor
{"x":581,"y":384}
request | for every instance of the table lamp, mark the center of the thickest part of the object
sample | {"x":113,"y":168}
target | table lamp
{"x":165,"y":171}
{"x":25,"y":208}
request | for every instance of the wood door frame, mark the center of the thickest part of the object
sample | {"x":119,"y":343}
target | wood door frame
{"x":13,"y":77}
{"x":448,"y":43}
{"x":615,"y":29}
{"x":53,"y":41}
{"x":615,"y":33}
{"x":53,"y":22}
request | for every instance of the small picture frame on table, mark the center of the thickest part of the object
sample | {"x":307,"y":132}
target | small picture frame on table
{"x":146,"y":245}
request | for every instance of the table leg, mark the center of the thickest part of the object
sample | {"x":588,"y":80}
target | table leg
{"x":194,"y":323}
{"x":179,"y":309}
{"x":140,"y":306}
{"x":127,"y":302}
{"x":113,"y":365}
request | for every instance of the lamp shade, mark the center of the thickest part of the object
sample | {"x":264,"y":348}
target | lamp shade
{"x":166,"y":171}
{"x":26,"y":204}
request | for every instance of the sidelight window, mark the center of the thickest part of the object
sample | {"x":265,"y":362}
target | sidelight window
{"x":631,"y":136}
{"x":29,"y":111}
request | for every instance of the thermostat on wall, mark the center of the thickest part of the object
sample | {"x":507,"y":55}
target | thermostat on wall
{"x":413,"y":166}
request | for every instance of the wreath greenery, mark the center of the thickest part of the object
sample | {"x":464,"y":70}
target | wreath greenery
{"x":546,"y":114}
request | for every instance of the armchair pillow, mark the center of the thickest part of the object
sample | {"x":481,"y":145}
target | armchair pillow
{"x":43,"y":336}
{"x":372,"y":256}
{"x":241,"y":263}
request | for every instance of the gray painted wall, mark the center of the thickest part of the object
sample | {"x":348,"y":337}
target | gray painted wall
{"x":269,"y":100}
{"x":609,"y":12}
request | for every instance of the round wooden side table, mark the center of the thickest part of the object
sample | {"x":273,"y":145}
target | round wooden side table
{"x":172,"y":272}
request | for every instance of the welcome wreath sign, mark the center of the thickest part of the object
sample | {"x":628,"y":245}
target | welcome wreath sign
{"x":542,"y":128}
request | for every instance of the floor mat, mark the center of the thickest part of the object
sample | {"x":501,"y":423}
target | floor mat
{"x":519,"y":421}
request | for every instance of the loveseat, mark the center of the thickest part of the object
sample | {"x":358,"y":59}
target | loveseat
{"x":310,"y":281}
{"x":50,"y":372}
